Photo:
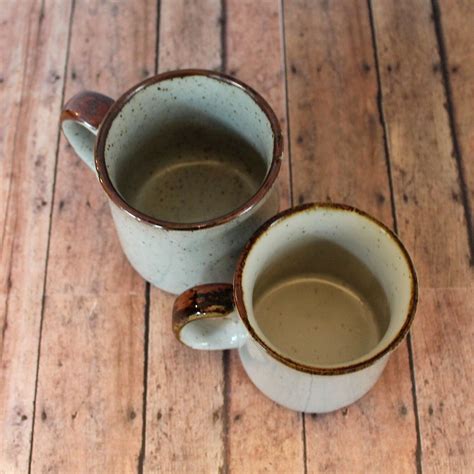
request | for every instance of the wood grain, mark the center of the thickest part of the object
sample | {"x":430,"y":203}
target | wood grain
{"x":185,"y":400}
{"x":258,"y":60}
{"x":432,"y":221}
{"x":337,"y":145}
{"x":90,"y":387}
{"x":190,"y":34}
{"x":444,"y":368}
{"x":427,"y":192}
{"x":202,"y":414}
{"x":456,"y":20}
{"x":336,"y":137}
{"x":31,"y":84}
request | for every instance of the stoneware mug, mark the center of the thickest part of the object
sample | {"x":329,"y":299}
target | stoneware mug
{"x":105,"y":133}
{"x":221,"y":316}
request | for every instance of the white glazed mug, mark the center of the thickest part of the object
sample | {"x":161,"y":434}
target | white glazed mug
{"x":221,"y":316}
{"x":105,"y":133}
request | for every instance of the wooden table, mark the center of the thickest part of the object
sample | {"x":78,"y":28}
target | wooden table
{"x":377,"y":102}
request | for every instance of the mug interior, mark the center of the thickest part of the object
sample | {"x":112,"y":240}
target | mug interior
{"x":336,"y":240}
{"x":174,"y":103}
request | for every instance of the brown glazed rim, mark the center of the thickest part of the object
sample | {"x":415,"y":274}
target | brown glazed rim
{"x":239,"y":292}
{"x":99,"y":151}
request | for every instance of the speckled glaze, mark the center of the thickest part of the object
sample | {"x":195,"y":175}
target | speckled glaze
{"x":204,"y":318}
{"x":176,"y":256}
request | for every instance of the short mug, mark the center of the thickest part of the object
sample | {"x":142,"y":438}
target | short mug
{"x":221,"y":316}
{"x":171,"y":255}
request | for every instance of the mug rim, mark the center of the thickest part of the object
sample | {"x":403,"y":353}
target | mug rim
{"x":312,"y":369}
{"x":117,"y":106}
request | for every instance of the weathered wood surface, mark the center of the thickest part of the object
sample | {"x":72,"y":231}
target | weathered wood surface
{"x":90,"y":381}
{"x":376,"y":97}
{"x":31,"y":85}
{"x":432,"y":221}
{"x":454,"y":21}
{"x":337,"y":144}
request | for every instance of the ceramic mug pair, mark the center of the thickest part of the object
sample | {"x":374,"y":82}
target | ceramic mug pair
{"x":177,"y":256}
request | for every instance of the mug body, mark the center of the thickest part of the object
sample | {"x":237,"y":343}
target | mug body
{"x":177,"y":254}
{"x":175,"y":260}
{"x":322,"y":294}
{"x":302,"y":391}
{"x":273,"y":253}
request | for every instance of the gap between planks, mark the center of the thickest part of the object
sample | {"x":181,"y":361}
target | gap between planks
{"x":287,"y":110}
{"x":146,"y":315}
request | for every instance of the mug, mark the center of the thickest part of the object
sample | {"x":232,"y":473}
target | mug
{"x":108,"y":134}
{"x":312,"y":239}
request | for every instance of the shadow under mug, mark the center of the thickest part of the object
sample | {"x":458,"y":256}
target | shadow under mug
{"x":106,"y":134}
{"x":221,"y":316}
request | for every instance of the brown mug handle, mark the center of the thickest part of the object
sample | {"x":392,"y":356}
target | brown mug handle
{"x":204,"y":317}
{"x":80,"y":120}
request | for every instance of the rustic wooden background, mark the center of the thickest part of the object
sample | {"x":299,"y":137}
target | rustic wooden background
{"x":376,"y":98}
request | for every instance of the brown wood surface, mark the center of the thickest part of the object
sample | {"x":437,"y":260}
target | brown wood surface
{"x":432,"y":221}
{"x":90,"y":381}
{"x":337,"y":144}
{"x":455,"y":26}
{"x":31,"y":88}
{"x":377,"y":98}
{"x":447,"y":414}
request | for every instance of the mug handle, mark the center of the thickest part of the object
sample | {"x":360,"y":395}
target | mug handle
{"x":204,"y":317}
{"x":80,"y":121}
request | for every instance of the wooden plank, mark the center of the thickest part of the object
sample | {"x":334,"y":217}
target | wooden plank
{"x":337,"y":148}
{"x":185,"y":399}
{"x":258,"y":60}
{"x":444,"y":355}
{"x":432,"y":221}
{"x":90,"y":387}
{"x":455,"y":20}
{"x":190,"y":34}
{"x":425,"y":175}
{"x":31,"y":84}
{"x":336,"y":137}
